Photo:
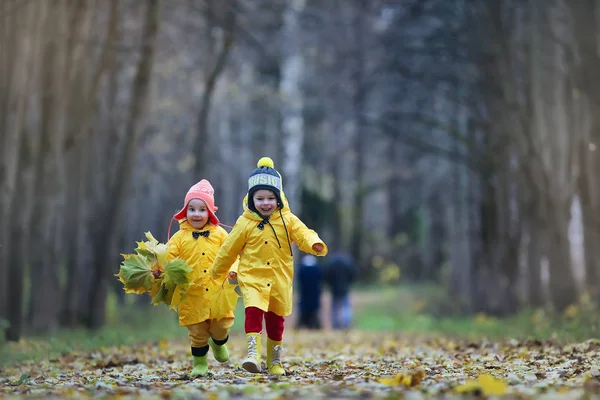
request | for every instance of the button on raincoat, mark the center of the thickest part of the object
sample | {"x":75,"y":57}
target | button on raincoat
{"x":266,"y":266}
{"x":199,"y":254}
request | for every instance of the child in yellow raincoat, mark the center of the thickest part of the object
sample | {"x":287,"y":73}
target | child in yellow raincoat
{"x":197,"y":241}
{"x":263,"y":237}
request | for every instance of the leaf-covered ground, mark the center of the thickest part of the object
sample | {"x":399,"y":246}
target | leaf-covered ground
{"x":322,"y":364}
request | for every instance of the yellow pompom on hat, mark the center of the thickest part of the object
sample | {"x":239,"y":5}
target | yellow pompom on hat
{"x":265,"y":162}
{"x":265,"y":176}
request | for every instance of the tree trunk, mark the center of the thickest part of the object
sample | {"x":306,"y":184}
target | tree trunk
{"x":589,"y":194}
{"x":563,"y":290}
{"x":42,"y":310}
{"x":360,"y":138}
{"x":292,"y":71}
{"x":587,"y":81}
{"x":395,"y":226}
{"x":109,"y":228}
{"x":534,"y":273}
{"x":14,"y":83}
{"x":553,"y":144}
{"x":75,"y":201}
{"x":219,"y":61}
{"x":17,"y":260}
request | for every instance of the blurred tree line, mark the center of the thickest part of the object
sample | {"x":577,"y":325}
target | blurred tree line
{"x":455,"y":140}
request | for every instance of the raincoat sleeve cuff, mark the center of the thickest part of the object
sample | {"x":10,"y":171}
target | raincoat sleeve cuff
{"x":235,"y":266}
{"x":322,"y":252}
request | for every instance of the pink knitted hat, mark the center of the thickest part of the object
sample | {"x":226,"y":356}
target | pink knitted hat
{"x":204,"y":191}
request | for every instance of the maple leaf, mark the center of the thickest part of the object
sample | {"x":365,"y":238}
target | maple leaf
{"x":136,"y":274}
{"x":223,"y":300}
{"x":159,"y":250}
{"x":151,"y":256}
{"x":163,"y":295}
{"x":176,"y":272}
{"x":143,"y":250}
{"x":174,"y":283}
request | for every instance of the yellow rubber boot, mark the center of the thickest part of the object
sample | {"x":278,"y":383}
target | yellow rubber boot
{"x":274,"y":357}
{"x":252,"y":362}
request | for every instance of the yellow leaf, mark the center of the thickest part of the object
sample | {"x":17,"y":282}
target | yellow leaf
{"x":155,"y":287}
{"x":178,"y":296}
{"x":408,"y":380}
{"x":159,"y":249}
{"x":469,"y":386}
{"x":487,"y":385}
{"x":493,"y":386}
{"x":223,"y":300}
{"x":391,"y":380}
{"x":139,"y":290}
{"x":571,"y":311}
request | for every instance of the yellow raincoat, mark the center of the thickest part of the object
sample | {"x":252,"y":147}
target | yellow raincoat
{"x":266,"y":266}
{"x":199,"y":254}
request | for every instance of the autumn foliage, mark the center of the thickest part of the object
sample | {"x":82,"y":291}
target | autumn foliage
{"x":148,"y":270}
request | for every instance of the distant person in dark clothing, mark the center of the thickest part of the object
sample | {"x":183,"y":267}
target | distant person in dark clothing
{"x":341,"y":272}
{"x":309,"y":282}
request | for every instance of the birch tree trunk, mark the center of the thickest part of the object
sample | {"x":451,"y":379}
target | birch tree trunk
{"x":554,"y":145}
{"x":292,"y":70}
{"x":584,"y":19}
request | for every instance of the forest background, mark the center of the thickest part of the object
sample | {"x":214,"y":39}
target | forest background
{"x":452,"y":144}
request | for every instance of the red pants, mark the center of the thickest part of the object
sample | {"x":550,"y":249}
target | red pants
{"x":273,"y":323}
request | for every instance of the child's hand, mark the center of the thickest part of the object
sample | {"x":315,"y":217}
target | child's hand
{"x":156,"y":273}
{"x":232,"y":275}
{"x":318,"y":247}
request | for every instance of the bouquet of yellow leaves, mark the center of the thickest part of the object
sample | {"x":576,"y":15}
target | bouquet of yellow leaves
{"x":223,"y":300}
{"x":148,"y":271}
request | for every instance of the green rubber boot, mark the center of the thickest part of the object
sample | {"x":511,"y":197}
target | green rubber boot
{"x":200,"y":366}
{"x":220,"y":352}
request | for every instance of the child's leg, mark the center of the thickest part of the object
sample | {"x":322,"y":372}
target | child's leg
{"x":346,"y":312}
{"x":254,"y":320}
{"x":336,"y":313}
{"x":199,"y":335}
{"x":219,"y":329}
{"x":274,"y":324}
{"x":253,"y":327}
{"x":219,"y":334}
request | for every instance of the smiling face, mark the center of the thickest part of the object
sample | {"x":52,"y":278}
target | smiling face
{"x":197,"y":213}
{"x":265,"y":202}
